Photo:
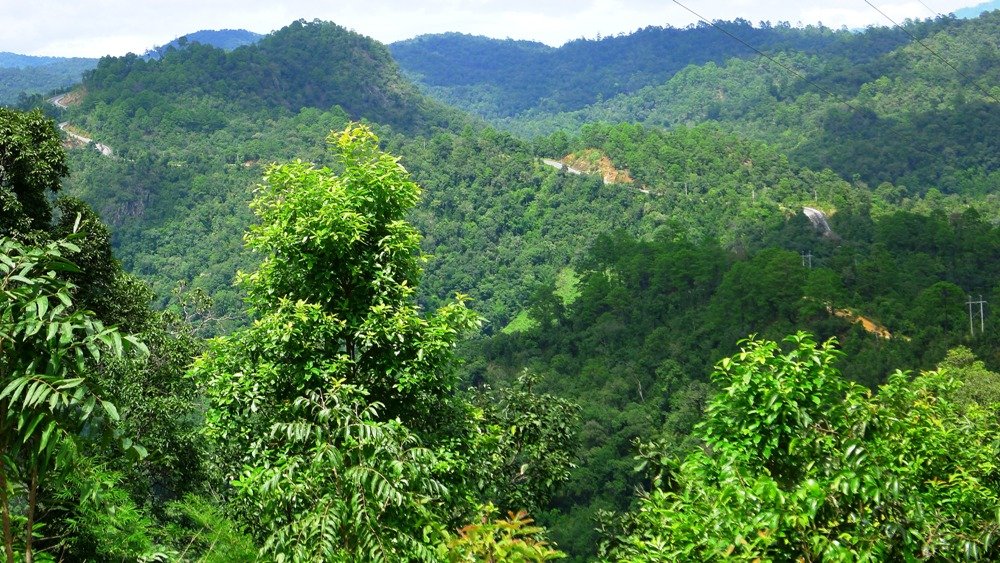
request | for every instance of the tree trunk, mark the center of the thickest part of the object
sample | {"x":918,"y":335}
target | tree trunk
{"x":29,"y":556}
{"x":8,"y":537}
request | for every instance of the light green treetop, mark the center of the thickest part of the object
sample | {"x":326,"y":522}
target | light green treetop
{"x":335,"y":412}
{"x":800,"y":465}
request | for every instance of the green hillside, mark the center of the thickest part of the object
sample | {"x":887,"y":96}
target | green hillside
{"x":193,"y":132}
{"x":177,"y":195}
{"x":649,"y":319}
{"x":920,"y":115}
{"x":21,"y":75}
{"x":500,"y":79}
{"x":658,"y":303}
{"x":307,"y":64}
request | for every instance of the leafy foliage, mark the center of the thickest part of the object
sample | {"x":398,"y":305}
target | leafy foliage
{"x":45,"y":400}
{"x":653,"y":316}
{"x":535,"y":438}
{"x":334,"y":297}
{"x":31,"y":165}
{"x":336,"y":485}
{"x":510,"y":539}
{"x":798,"y":463}
{"x":207,"y":534}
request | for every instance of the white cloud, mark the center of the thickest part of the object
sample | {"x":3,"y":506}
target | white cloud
{"x":98,"y":27}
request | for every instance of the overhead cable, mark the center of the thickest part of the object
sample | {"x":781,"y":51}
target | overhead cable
{"x":768,"y":57}
{"x":933,"y":52}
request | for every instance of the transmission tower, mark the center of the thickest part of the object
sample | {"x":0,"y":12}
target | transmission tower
{"x":982,"y":323}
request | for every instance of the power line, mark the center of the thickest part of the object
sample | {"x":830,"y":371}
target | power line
{"x":933,"y":52}
{"x":768,"y":57}
{"x":929,"y":9}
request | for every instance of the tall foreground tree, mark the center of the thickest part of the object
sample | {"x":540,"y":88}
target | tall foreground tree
{"x":336,"y":412}
{"x":66,"y":488}
{"x":801,"y":465}
{"x":46,"y":349}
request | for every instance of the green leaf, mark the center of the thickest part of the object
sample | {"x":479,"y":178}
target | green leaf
{"x":42,"y":306}
{"x":110,"y":409}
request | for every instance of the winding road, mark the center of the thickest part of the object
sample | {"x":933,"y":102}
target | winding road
{"x":58,"y":101}
{"x":64,"y":127}
{"x":102,"y":148}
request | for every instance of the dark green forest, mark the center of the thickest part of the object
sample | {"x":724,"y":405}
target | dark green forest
{"x":22,"y":77}
{"x":650,"y":297}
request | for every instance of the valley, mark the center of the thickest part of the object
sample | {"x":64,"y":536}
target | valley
{"x":629,"y":285}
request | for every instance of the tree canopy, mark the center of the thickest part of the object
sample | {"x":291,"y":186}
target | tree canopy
{"x":798,"y":463}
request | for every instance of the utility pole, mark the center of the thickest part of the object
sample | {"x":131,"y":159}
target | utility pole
{"x":807,"y":260}
{"x":982,"y":323}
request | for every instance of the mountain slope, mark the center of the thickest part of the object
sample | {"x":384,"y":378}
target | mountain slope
{"x":194,"y":129}
{"x":192,"y":132}
{"x":23,"y":74}
{"x":306,"y":64}
{"x":905,"y":116}
{"x":496,"y":78}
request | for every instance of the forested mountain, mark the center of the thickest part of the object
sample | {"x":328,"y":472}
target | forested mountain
{"x":194,"y":130}
{"x":670,"y":196}
{"x":915,"y":103}
{"x":498,"y":220}
{"x":302,"y":65}
{"x":28,"y":75}
{"x":503,"y":78}
{"x":192,"y":136}
{"x":22,"y":74}
{"x":919,"y":116}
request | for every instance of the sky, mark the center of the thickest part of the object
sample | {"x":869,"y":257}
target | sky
{"x":93,"y":28}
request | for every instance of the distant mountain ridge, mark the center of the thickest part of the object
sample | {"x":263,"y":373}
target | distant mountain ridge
{"x":912,"y":119}
{"x":15,"y":60}
{"x":28,"y":75}
{"x":226,"y":39}
{"x":978,"y":9}
{"x":503,"y":78}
